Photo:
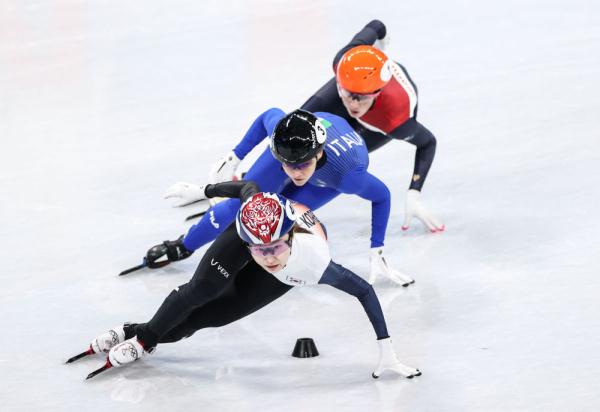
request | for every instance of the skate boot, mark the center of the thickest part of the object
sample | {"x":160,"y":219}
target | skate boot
{"x":106,"y":341}
{"x":127,"y":352}
{"x":122,"y":354}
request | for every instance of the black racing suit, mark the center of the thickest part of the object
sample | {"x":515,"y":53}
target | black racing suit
{"x":229,"y":285}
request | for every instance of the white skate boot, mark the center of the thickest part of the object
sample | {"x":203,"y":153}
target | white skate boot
{"x":107,"y":340}
{"x":126,"y":352}
{"x":103,"y":343}
{"x":122,"y":354}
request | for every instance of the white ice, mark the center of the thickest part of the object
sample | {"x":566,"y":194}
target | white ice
{"x":104,"y":104}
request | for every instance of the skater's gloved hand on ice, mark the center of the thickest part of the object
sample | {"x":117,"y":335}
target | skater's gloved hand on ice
{"x":414,"y":208}
{"x":388,"y":361}
{"x":380,"y":267}
{"x":185,"y":193}
{"x":224,"y":169}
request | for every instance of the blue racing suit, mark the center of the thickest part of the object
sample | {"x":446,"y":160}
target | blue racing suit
{"x":342,"y":169}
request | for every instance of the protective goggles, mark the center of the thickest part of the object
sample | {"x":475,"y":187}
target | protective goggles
{"x":359,"y":97}
{"x":298,"y":166}
{"x":274,"y":248}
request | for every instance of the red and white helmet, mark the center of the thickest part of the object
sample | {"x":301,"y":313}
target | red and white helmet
{"x":264,"y":218}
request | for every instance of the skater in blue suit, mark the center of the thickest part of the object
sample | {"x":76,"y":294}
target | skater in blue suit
{"x":312,"y":158}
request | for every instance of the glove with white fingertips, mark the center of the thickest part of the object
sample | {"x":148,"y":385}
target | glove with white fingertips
{"x":388,"y":361}
{"x":415,"y":208}
{"x":381,"y":268}
{"x":127,"y":352}
{"x":185,"y":193}
{"x":224,"y":169}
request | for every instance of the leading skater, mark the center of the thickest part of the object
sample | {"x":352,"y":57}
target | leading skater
{"x":312,"y":159}
{"x":379,"y":100}
{"x":275,"y":244}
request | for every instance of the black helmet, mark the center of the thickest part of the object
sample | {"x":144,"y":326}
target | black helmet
{"x":298,"y":137}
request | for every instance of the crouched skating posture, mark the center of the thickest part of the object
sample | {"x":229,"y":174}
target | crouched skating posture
{"x":274,"y":245}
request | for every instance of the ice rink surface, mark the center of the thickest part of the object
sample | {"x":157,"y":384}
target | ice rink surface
{"x":104,"y":104}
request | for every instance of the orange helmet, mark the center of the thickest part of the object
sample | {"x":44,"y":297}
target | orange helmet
{"x":363,"y":69}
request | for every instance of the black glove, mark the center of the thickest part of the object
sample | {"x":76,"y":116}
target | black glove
{"x":379,"y":28}
{"x":172,"y":249}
